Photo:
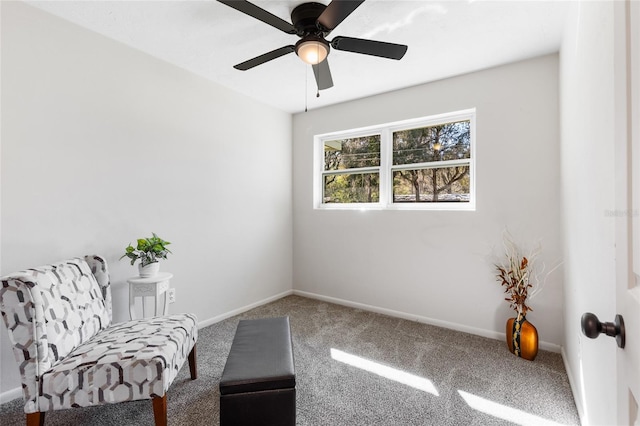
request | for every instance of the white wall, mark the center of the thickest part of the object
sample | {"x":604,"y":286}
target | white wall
{"x":102,"y":144}
{"x":433,"y":265}
{"x":587,"y":133}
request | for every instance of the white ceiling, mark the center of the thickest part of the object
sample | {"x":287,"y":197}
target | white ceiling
{"x":445,"y":38}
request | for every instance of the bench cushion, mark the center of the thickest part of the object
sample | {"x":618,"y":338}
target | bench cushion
{"x":129,"y":361}
{"x":261,"y":357}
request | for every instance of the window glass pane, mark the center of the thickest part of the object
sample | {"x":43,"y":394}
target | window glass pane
{"x":352,"y":188}
{"x":445,"y":184}
{"x":449,"y":141}
{"x":352,"y":153}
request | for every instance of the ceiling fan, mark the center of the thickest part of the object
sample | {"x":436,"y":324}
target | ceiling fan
{"x":313,"y":22}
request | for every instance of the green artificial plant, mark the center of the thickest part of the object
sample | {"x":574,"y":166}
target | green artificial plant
{"x":148,"y":250}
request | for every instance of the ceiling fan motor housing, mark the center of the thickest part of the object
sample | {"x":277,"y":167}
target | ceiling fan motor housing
{"x":305,"y":18}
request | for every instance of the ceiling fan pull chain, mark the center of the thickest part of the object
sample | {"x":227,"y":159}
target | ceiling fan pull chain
{"x":318,"y":85}
{"x":306,"y":87}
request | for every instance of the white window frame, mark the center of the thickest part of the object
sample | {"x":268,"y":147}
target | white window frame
{"x":386,"y":167}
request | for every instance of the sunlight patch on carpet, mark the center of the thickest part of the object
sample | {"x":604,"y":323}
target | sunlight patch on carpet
{"x":505,"y":413}
{"x":385,"y":371}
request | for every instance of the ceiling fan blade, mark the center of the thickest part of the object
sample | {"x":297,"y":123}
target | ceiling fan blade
{"x":323,"y":75}
{"x":369,"y":47}
{"x":336,"y":12}
{"x":258,"y":60}
{"x":260,"y":14}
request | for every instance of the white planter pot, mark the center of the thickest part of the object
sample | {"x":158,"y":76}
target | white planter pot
{"x":151,"y":270}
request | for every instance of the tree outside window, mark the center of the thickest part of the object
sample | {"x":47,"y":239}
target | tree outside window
{"x":431,"y":164}
{"x":353,"y":165}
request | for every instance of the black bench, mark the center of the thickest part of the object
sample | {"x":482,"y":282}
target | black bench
{"x":258,"y":383}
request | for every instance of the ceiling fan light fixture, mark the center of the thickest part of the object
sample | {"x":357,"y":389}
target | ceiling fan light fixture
{"x":312,"y":50}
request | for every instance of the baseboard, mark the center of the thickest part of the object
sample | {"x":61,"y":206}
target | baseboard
{"x":240,"y":310}
{"x":10,"y":395}
{"x":418,"y":318}
{"x":577,"y":395}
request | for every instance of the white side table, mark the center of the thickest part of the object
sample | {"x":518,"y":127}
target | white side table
{"x":149,"y":287}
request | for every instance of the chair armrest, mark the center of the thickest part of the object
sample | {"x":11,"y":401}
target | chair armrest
{"x":100,"y":270}
{"x":23,"y":315}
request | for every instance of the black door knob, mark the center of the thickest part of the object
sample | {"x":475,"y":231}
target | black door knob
{"x":592,"y":327}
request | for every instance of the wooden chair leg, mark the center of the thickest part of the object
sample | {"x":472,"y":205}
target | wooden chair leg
{"x":160,"y":410}
{"x":35,"y":419}
{"x":192,"y":363}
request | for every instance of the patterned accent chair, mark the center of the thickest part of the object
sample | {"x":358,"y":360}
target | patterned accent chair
{"x":70,"y":355}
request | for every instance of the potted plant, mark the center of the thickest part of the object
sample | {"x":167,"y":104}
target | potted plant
{"x":149,"y":251}
{"x":520,"y":275}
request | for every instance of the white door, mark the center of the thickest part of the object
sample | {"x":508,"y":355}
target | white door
{"x":627,"y":124}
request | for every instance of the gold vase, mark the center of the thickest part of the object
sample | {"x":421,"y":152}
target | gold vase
{"x":522,"y":337}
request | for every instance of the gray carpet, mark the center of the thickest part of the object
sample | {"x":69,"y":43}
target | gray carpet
{"x":462,"y":371}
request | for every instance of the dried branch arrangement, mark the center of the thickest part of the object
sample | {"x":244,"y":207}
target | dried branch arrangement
{"x":519,"y":273}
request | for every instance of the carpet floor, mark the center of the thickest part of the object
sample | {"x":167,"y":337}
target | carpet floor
{"x":355,"y":367}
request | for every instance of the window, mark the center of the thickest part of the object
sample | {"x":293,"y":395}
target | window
{"x":426,"y":164}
